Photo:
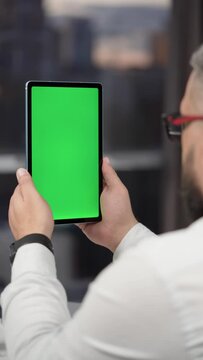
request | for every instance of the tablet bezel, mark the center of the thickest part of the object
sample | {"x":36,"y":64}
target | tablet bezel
{"x":28,"y":102}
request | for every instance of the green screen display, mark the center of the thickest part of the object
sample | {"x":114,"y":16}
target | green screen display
{"x":65,"y":149}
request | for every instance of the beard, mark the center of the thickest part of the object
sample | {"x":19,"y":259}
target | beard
{"x":191,"y":193}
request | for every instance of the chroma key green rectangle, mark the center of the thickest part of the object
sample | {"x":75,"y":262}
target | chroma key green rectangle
{"x":64,"y":147}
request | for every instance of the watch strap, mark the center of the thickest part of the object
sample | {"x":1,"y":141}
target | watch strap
{"x":29,"y":239}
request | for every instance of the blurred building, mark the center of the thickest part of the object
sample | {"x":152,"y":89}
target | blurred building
{"x":22,"y":24}
{"x":28,"y":50}
{"x":115,"y":46}
{"x":76,"y":42}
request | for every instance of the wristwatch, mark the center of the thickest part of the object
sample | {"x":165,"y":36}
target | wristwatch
{"x":29,"y":239}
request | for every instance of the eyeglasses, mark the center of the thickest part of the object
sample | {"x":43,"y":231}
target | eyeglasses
{"x":175,"y":123}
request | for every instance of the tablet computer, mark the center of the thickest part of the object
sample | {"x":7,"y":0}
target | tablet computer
{"x":64,"y":147}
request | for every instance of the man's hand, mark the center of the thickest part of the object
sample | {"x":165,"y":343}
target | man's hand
{"x":28,"y":211}
{"x":117,"y":215}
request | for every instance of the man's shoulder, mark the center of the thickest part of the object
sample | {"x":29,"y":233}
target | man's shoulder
{"x":173,"y":251}
{"x":167,"y":256}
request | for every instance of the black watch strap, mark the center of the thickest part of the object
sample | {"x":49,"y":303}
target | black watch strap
{"x":29,"y":239}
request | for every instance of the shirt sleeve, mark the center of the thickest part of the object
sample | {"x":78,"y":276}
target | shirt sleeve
{"x":119,"y":318}
{"x":135,"y":235}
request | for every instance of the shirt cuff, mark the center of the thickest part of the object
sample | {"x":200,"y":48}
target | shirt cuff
{"x":34,"y":258}
{"x":136,"y":234}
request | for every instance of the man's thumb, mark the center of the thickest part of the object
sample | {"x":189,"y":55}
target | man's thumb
{"x":109,"y":174}
{"x":23,"y":176}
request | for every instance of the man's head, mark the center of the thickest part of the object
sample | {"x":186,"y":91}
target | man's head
{"x":192,"y":139}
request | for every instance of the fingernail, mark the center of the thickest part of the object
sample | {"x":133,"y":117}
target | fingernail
{"x":21,"y":172}
{"x":107,"y":160}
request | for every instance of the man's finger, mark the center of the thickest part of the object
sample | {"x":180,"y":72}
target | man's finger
{"x":16,"y":199}
{"x":81,"y":226}
{"x":25,"y":181}
{"x":23,"y":176}
{"x":110,"y":177}
{"x":10,"y":214}
{"x":16,"y":193}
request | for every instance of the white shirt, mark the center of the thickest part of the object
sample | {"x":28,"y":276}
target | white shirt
{"x":147,"y":305}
